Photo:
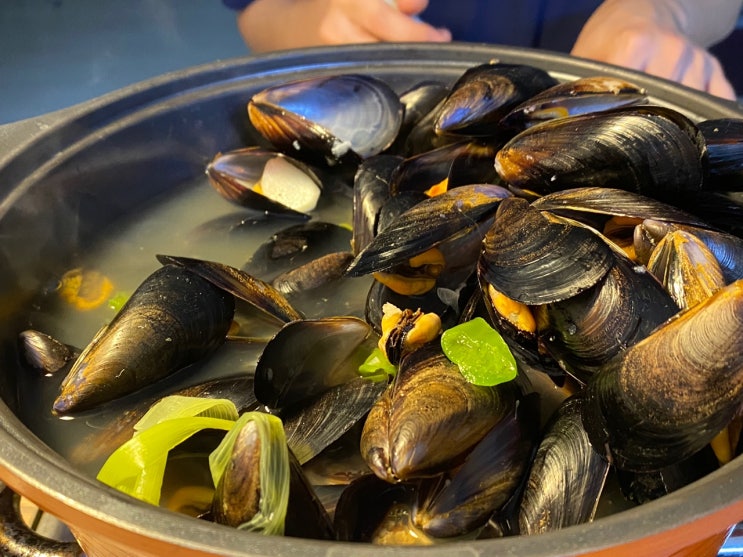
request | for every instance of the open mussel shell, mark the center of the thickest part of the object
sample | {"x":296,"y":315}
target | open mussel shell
{"x":566,"y":477}
{"x":44,"y":353}
{"x":265,"y":181}
{"x":724,"y":137}
{"x":306,"y":516}
{"x":173,"y":319}
{"x":363,"y":512}
{"x":427,"y":224}
{"x":457,"y":164}
{"x":686,"y":267}
{"x":240,"y":284}
{"x":333,"y":119}
{"x":651,"y":150}
{"x":727,"y":248}
{"x":585,"y":331}
{"x":306,"y":358}
{"x":429,"y":417}
{"x":595,"y":205}
{"x":533,"y":260}
{"x":317,"y":273}
{"x":420,"y":103}
{"x":313,"y":424}
{"x":448,"y":304}
{"x":371,"y":190}
{"x":489,"y":477}
{"x":572,"y":98}
{"x":484,"y":94}
{"x":296,"y":245}
{"x":665,"y":398}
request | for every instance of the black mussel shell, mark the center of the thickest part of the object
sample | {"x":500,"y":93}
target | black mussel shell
{"x":724,"y":138}
{"x":420,"y":103}
{"x":371,"y":190}
{"x":535,"y":261}
{"x":727,"y":248}
{"x":429,"y":417}
{"x":314,"y":424}
{"x":566,"y":477}
{"x":237,"y":496}
{"x":364,"y":505}
{"x":663,"y":399}
{"x":306,"y":358}
{"x":173,"y":319}
{"x":427,"y":224}
{"x":604,"y":203}
{"x":643,"y":487}
{"x":306,"y":516}
{"x":585,"y":331}
{"x":110,"y":433}
{"x":483,"y":95}
{"x":312,"y":275}
{"x":296,"y":245}
{"x":240,"y":284}
{"x":449,"y":166}
{"x":489,"y":477}
{"x":651,"y":150}
{"x":332,"y":119}
{"x":44,"y":353}
{"x":572,"y":98}
{"x":686,"y":267}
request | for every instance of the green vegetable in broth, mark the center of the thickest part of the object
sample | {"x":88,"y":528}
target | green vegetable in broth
{"x":480,"y":352}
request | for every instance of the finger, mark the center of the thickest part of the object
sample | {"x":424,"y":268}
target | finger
{"x":337,"y":28}
{"x":389,"y":24}
{"x":676,"y":59}
{"x":718,"y":83}
{"x":411,"y":7}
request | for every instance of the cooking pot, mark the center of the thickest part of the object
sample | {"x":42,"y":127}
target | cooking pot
{"x":66,"y":175}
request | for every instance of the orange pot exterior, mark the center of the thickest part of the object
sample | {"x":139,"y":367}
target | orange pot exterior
{"x":99,"y":538}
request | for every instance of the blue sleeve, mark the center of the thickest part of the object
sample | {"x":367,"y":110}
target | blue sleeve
{"x":547,"y":24}
{"x":237,"y":5}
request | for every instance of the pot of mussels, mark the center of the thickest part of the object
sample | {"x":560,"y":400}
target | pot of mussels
{"x":362,"y":300}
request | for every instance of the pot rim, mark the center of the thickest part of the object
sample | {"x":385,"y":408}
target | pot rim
{"x":31,"y":468}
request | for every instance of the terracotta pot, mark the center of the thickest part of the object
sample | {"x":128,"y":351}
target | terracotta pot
{"x":110,"y":147}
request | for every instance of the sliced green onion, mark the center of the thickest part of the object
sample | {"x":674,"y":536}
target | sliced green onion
{"x":480,"y":352}
{"x":137,"y":467}
{"x":377,"y":366}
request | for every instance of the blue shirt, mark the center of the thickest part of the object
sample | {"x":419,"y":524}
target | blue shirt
{"x":545,"y":24}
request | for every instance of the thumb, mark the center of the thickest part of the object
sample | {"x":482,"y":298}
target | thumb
{"x":409,"y":7}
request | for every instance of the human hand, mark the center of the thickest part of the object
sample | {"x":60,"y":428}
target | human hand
{"x":648,"y":38}
{"x":279,"y":24}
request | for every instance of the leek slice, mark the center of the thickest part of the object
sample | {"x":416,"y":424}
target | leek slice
{"x":137,"y":467}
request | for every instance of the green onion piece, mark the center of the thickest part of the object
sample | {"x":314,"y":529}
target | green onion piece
{"x":177,"y":406}
{"x":480,"y":352}
{"x":377,"y":366}
{"x":274,"y":470}
{"x":117,"y":301}
{"x":137,"y":467}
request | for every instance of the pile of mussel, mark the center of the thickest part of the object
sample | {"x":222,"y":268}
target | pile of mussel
{"x":598,"y":233}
